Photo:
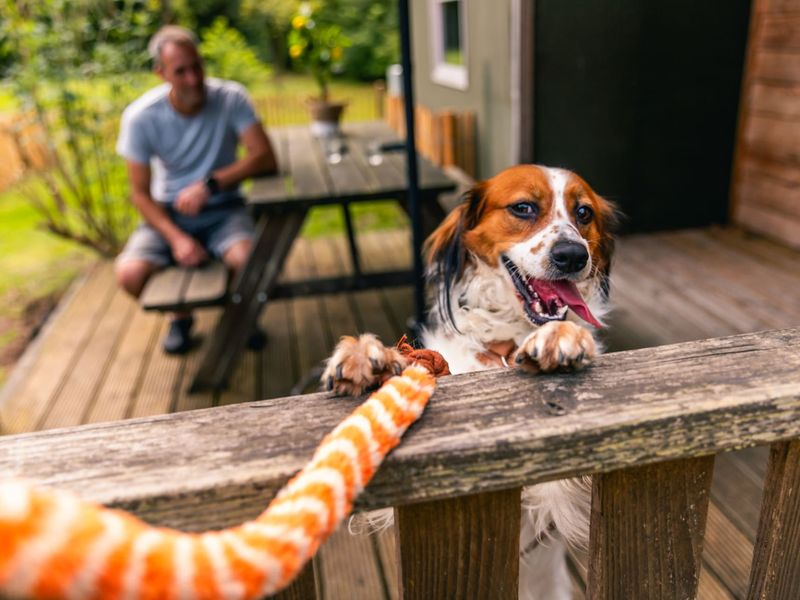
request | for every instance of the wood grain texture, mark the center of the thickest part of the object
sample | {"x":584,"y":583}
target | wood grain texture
{"x":635,"y":407}
{"x":303,"y":587}
{"x":647,"y":528}
{"x":466,"y":547}
{"x":776,"y":562}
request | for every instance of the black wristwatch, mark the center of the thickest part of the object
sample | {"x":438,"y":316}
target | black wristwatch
{"x":212,"y":185}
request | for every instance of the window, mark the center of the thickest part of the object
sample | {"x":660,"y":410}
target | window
{"x":448,"y":43}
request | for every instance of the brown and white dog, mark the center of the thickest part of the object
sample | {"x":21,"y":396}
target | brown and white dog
{"x":518,"y":275}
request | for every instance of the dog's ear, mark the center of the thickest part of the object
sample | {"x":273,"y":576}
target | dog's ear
{"x":608,"y":222}
{"x":445,"y":251}
{"x":447,"y":235}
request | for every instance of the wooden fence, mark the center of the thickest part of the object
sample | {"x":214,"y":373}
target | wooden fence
{"x":446,"y":137}
{"x":646,"y":423}
{"x":22,"y":148}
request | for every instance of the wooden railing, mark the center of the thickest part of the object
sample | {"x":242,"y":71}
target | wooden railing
{"x":646,"y":423}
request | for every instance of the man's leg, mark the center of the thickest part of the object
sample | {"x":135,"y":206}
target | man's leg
{"x":133,"y":273}
{"x":145,"y":253}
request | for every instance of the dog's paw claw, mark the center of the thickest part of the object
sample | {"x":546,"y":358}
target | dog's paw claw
{"x":360,"y":364}
{"x":556,"y":345}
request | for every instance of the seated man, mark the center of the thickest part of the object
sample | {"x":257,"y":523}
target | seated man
{"x":187,"y":130}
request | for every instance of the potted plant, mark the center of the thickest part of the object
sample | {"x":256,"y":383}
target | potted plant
{"x":318,"y":47}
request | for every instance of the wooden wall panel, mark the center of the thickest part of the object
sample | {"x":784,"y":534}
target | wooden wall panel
{"x":765,"y":195}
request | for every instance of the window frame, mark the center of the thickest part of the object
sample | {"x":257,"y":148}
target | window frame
{"x":443,"y":73}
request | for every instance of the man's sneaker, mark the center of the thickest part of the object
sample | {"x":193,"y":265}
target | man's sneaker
{"x":257,"y":340}
{"x":179,"y":339}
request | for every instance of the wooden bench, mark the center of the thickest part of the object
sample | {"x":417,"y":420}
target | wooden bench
{"x":646,"y":423}
{"x":181,"y":288}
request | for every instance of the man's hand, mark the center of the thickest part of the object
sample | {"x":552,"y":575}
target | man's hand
{"x":188,"y":252}
{"x":191,"y":199}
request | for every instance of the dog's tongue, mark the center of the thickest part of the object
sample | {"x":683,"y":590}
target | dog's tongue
{"x":565,"y":291}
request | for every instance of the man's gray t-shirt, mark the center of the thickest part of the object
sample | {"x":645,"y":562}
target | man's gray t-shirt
{"x":182,"y":150}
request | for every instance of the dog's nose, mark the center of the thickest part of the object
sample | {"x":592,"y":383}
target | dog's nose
{"x":569,"y":257}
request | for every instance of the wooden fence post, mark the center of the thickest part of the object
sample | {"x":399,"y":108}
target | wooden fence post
{"x":465,"y":547}
{"x":647,"y":530}
{"x":776,"y":557}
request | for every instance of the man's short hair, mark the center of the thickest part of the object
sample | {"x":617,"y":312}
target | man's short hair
{"x":169,"y":33}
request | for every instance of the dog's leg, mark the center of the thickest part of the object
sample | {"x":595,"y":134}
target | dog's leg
{"x":359,"y":364}
{"x":556,"y":345}
{"x":543,"y":570}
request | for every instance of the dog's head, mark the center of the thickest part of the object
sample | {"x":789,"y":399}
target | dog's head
{"x":545,"y":228}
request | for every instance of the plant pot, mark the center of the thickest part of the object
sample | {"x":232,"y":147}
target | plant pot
{"x":325,"y":117}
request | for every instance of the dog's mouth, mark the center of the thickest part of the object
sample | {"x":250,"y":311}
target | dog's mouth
{"x":548,"y":300}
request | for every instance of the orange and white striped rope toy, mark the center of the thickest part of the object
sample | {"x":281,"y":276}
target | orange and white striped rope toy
{"x":54,"y":545}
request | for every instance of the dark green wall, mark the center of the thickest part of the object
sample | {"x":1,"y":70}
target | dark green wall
{"x":641,"y":99}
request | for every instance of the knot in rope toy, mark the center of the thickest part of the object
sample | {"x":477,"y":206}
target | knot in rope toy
{"x":54,"y":545}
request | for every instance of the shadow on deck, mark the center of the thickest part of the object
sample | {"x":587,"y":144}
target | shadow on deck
{"x":99,"y":359}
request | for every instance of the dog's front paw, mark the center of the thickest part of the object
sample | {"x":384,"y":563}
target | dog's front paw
{"x":361,"y":364}
{"x":556,"y":345}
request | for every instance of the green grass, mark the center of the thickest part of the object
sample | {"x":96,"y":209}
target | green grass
{"x":367,"y":216}
{"x":33,"y":264}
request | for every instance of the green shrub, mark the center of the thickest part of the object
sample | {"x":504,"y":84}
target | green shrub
{"x":68,"y":85}
{"x":228,"y":55}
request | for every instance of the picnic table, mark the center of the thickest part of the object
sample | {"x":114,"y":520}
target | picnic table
{"x":364,"y":163}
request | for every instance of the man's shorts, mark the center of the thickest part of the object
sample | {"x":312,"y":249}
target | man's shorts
{"x":217,"y":229}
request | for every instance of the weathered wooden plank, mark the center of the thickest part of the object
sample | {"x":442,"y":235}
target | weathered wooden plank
{"x":772,"y":138}
{"x":776,"y":66}
{"x":349,"y":567}
{"x":781,"y":101}
{"x":158,"y":393}
{"x":77,"y":393}
{"x":737,"y":487}
{"x":113,"y":399}
{"x":771,"y":223}
{"x":304,"y":586}
{"x":759,"y":248}
{"x":25,"y":403}
{"x":165,"y":288}
{"x":779,"y":6}
{"x":207,"y":285}
{"x":776,"y":562}
{"x":631,"y":407}
{"x":386,"y":543}
{"x":727,"y":552}
{"x":465,"y":547}
{"x":772,"y":193}
{"x":744,"y":299}
{"x":769,"y":279}
{"x":264,"y":190}
{"x":779,"y":32}
{"x":308,"y":180}
{"x":647,"y":529}
{"x":279,"y":370}
{"x":710,"y":588}
{"x":382,"y":174}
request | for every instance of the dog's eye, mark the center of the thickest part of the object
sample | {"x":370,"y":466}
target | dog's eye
{"x":584,"y":214}
{"x":524,"y":210}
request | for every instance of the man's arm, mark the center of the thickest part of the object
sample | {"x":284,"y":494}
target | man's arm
{"x":259,"y":159}
{"x":185,"y":249}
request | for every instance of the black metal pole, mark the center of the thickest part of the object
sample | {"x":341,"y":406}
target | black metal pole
{"x":411,"y":161}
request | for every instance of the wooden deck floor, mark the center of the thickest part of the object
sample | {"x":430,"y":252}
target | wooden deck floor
{"x":99,"y":359}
